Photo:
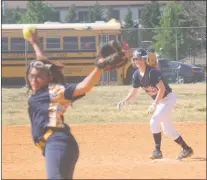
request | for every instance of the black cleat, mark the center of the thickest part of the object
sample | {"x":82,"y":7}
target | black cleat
{"x":185,"y":153}
{"x":157,"y":154}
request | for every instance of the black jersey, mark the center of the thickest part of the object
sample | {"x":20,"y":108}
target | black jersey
{"x":149,"y":81}
{"x":47,"y":106}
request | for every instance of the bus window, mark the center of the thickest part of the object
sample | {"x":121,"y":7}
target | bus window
{"x":30,"y":48}
{"x":113,"y":75}
{"x":103,"y":40}
{"x":53,"y":42}
{"x":88,"y":43}
{"x":112,"y":37}
{"x":70,"y":43}
{"x":17,"y":44}
{"x":4,"y":43}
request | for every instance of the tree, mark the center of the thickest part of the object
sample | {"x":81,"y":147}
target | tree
{"x":71,"y":16}
{"x":165,"y":38}
{"x":38,"y":12}
{"x":149,"y":18}
{"x":150,"y":15}
{"x":128,"y":22}
{"x":110,"y":13}
{"x":195,"y":11}
{"x":130,"y":36}
{"x":95,"y":13}
{"x":51,"y":14}
{"x":12,"y":16}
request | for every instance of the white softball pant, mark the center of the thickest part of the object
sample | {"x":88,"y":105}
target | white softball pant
{"x":163,"y":117}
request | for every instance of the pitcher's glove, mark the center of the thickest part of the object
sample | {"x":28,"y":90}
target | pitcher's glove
{"x":111,"y":56}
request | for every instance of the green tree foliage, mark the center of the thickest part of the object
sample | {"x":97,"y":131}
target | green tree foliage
{"x":149,"y":18}
{"x":51,"y":14}
{"x":95,"y":13}
{"x":71,"y":16}
{"x":38,"y":12}
{"x":128,"y":19}
{"x":110,"y":13}
{"x":166,"y":37}
{"x":130,"y":35}
{"x":150,"y":15}
{"x":12,"y":16}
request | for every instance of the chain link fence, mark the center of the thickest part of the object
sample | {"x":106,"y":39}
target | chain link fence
{"x":178,"y":44}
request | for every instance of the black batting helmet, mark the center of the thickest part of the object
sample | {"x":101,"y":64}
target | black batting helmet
{"x":140,"y":53}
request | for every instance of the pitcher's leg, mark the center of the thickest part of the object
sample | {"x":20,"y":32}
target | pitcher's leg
{"x":70,"y":159}
{"x":53,"y":158}
{"x":61,"y":158}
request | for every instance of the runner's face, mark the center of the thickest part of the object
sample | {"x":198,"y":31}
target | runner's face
{"x":139,"y":61}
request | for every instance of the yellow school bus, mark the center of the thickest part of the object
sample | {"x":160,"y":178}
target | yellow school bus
{"x":75,"y":45}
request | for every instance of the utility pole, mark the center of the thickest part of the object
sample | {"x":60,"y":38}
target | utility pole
{"x":3,"y":7}
{"x":177,"y":54}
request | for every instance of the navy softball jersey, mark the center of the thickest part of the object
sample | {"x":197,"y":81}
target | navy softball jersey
{"x":149,"y":80}
{"x":46,"y":108}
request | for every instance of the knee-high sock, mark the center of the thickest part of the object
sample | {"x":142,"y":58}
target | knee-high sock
{"x":181,"y":142}
{"x":157,"y":139}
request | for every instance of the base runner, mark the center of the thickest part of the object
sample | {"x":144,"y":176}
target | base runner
{"x":151,"y":80}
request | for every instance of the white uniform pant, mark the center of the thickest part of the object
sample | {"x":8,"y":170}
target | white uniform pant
{"x":163,"y":117}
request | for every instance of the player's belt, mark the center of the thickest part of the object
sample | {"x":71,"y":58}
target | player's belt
{"x":40,"y":144}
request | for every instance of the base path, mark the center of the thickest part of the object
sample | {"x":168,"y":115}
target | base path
{"x":109,"y":151}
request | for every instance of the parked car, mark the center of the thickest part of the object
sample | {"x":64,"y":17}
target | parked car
{"x":168,"y":72}
{"x":186,"y":73}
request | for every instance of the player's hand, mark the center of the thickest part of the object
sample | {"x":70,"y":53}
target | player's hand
{"x":121,"y":103}
{"x":152,"y":108}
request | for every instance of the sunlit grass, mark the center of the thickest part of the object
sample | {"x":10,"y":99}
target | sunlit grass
{"x":99,"y":105}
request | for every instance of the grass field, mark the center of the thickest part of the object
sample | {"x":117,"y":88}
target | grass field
{"x":99,"y":105}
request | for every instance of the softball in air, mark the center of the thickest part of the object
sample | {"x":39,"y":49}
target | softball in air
{"x":27,"y":31}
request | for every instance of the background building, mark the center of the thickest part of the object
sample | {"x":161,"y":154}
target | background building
{"x":120,"y":8}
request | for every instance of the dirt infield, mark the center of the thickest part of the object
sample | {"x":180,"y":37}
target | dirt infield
{"x":109,"y":151}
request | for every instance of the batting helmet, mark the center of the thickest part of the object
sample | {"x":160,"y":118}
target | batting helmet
{"x":140,"y":53}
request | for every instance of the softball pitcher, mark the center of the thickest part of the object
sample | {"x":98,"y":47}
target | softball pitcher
{"x":50,"y":98}
{"x":151,"y":80}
